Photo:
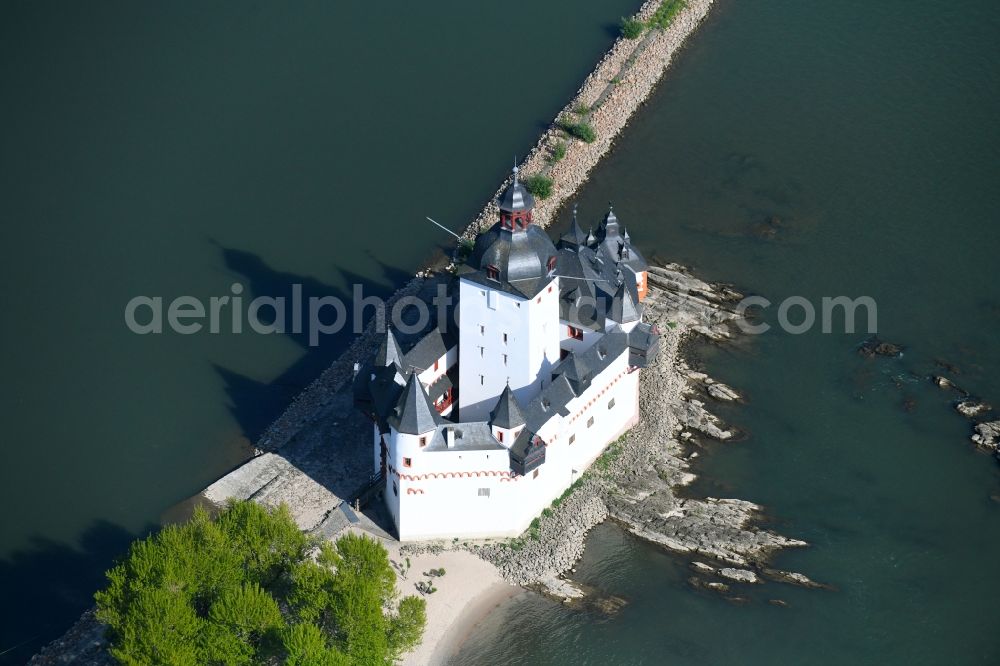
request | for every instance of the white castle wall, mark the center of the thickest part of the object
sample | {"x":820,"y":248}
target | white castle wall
{"x":532,"y":334}
{"x":439,"y":495}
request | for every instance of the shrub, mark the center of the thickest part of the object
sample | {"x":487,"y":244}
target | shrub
{"x":582,"y":131}
{"x":581,"y":109}
{"x":539,"y":185}
{"x":558,"y":151}
{"x":632,"y":28}
{"x":665,"y":13}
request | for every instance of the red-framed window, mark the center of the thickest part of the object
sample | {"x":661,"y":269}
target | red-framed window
{"x":492,"y":272}
{"x":575,"y":333}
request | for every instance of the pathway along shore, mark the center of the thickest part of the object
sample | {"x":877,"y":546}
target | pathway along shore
{"x":635,"y":483}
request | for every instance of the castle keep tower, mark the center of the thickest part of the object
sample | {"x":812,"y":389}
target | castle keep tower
{"x":509,"y":314}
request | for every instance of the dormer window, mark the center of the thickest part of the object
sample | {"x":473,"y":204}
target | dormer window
{"x":552,"y":263}
{"x":493,"y":273}
{"x":575,"y":333}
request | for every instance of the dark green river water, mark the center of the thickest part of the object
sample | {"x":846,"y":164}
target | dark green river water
{"x":174,"y":149}
{"x":870,"y":129}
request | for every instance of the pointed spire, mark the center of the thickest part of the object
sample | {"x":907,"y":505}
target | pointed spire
{"x":507,"y":414}
{"x":610,"y":224}
{"x":575,"y":236}
{"x":516,"y":198}
{"x":623,"y":307}
{"x":414,"y":414}
{"x":389,"y":351}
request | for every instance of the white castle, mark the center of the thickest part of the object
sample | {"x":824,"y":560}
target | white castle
{"x":478,"y":430}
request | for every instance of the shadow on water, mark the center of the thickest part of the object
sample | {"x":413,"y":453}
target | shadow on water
{"x":52,"y":584}
{"x":256,"y":404}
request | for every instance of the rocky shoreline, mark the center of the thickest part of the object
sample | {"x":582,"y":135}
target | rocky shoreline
{"x":638,"y":483}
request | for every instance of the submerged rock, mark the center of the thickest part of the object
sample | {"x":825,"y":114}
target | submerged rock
{"x":873,"y":347}
{"x":793,"y":578}
{"x":739,"y":575}
{"x":987,"y":435}
{"x":970,"y":408}
{"x":722,"y":392}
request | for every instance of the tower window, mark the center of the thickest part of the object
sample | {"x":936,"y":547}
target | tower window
{"x":505,"y":359}
{"x":437,"y":364}
{"x":500,"y":435}
{"x":505,"y":338}
{"x":423,"y":441}
{"x":572,"y":438}
{"x":611,"y":403}
{"x":482,"y":330}
{"x":482,"y":380}
{"x":407,"y":462}
{"x":534,"y":475}
{"x":492,"y":272}
{"x":484,"y":492}
{"x":590,"y":422}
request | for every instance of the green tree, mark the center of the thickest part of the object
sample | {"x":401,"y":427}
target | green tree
{"x":305,"y":645}
{"x":242,"y":590}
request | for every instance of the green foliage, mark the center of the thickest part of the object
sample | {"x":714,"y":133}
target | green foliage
{"x":614,"y":450}
{"x":566,"y":493}
{"x":665,"y":13}
{"x":407,"y":626}
{"x":539,"y":185}
{"x":581,"y":109}
{"x":241,"y":590}
{"x":632,"y":28}
{"x":305,"y":645}
{"x":558,"y":151}
{"x":581,"y":130}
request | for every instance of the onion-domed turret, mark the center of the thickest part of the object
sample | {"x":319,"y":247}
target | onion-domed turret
{"x":516,"y":204}
{"x":513,"y":254}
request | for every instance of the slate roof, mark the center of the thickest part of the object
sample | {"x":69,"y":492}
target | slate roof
{"x":507,"y":414}
{"x":389,"y":351}
{"x":414,"y":414}
{"x":572,"y":377}
{"x":575,"y":237}
{"x":516,"y":197}
{"x":428,"y":349}
{"x":644,"y":344}
{"x":468,"y":437}
{"x":625,"y":306}
{"x":526,"y":453}
{"x":520,"y":257}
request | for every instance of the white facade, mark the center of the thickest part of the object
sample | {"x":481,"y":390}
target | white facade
{"x":536,"y":399}
{"x":473,"y":494}
{"x":504,"y":339}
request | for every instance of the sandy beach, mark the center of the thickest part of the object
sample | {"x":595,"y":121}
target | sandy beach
{"x":470,"y":589}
